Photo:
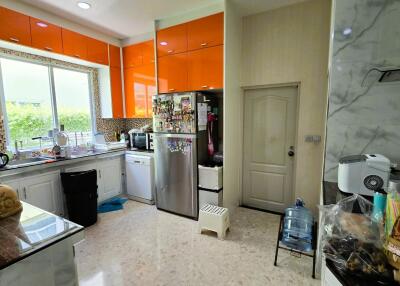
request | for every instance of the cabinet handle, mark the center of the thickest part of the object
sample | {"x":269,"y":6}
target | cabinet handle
{"x":171,"y":89}
{"x":14,"y":39}
{"x":48,"y":48}
{"x":25,"y":193}
{"x":204,"y":86}
{"x":170,"y":51}
{"x":77,"y":56}
{"x":203,"y":44}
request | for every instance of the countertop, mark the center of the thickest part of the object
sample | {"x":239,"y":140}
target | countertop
{"x":30,"y":231}
{"x":11,"y":170}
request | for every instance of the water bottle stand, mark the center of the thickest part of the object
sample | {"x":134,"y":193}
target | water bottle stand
{"x":312,"y":254}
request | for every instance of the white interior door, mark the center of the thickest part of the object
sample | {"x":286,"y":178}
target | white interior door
{"x":269,"y":137}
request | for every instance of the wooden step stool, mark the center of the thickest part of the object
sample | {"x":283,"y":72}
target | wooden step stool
{"x":215,"y":219}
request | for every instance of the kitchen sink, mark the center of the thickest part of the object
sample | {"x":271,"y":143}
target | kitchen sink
{"x":27,"y":162}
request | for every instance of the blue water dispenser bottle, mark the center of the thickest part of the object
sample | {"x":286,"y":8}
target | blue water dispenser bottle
{"x":298,"y":227}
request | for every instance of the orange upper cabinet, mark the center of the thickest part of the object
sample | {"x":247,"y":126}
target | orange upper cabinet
{"x":147,"y":52}
{"x":74,"y":44}
{"x":97,"y":51}
{"x":172,"y":73}
{"x":14,"y":27}
{"x":205,"y":68}
{"x":46,"y":36}
{"x":115,"y":56}
{"x":132,"y":56}
{"x":140,"y":86}
{"x":116,"y":92}
{"x":206,"y":32}
{"x":172,"y":40}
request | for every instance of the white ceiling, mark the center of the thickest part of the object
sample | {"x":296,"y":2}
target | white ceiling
{"x":128,"y":18}
{"x":120,"y":18}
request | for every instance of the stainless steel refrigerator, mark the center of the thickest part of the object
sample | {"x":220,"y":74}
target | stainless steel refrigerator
{"x":180,"y":144}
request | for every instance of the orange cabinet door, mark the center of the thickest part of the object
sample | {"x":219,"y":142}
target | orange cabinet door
{"x":172,"y":40}
{"x":129,"y":94}
{"x":206,"y":32}
{"x":140,"y":86}
{"x":97,"y":51}
{"x":74,"y":44}
{"x":132,"y":56}
{"x":116,"y":92}
{"x":172,"y":73}
{"x":146,"y":75}
{"x":148,"y":52}
{"x":205,"y":68}
{"x":115,"y":56}
{"x":46,"y":36}
{"x":14,"y":27}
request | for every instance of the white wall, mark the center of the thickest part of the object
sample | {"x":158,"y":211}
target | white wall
{"x":51,"y":18}
{"x":290,"y":45}
{"x":232,"y":113}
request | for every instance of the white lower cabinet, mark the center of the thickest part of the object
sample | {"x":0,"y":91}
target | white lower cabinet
{"x":43,"y":191}
{"x":110,"y":177}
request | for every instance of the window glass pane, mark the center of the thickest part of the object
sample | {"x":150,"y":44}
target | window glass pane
{"x":73,"y":103}
{"x":28,"y":100}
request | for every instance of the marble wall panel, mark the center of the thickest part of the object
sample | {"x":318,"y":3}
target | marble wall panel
{"x":363,"y":114}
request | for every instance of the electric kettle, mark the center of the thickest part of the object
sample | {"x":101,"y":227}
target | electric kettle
{"x":3,"y":159}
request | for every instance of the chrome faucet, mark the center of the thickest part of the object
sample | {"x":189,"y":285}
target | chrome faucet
{"x":17,"y":154}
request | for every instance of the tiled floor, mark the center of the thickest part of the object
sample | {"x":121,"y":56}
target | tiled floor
{"x":143,"y":246}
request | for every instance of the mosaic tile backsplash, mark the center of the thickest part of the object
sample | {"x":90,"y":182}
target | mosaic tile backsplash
{"x":107,"y":126}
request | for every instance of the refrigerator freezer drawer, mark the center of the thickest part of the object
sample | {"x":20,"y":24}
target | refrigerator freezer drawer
{"x":176,"y":173}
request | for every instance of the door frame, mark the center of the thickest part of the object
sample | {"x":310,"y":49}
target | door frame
{"x":296,"y":144}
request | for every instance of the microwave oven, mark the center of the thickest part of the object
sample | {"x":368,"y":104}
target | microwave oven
{"x":142,"y":141}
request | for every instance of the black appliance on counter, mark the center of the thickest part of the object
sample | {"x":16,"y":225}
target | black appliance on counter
{"x":140,"y":140}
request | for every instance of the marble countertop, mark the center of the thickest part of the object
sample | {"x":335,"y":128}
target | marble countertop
{"x":30,"y":231}
{"x":12,"y":170}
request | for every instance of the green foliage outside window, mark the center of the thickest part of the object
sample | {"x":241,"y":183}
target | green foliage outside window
{"x":28,"y":121}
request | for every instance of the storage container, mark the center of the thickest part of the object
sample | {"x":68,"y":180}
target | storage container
{"x":210,"y":197}
{"x":210,"y":177}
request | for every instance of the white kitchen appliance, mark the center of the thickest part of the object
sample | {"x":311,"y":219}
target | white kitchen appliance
{"x":363,"y":174}
{"x":140,"y":178}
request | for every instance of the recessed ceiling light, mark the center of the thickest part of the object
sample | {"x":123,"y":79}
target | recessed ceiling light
{"x":163,"y":43}
{"x":84,"y":5}
{"x":41,"y":24}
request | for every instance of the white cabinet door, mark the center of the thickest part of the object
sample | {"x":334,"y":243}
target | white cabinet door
{"x":110,"y":177}
{"x":44,"y":191}
{"x":15,"y":184}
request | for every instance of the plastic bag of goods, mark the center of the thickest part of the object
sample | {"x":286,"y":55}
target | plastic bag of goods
{"x":351,"y":239}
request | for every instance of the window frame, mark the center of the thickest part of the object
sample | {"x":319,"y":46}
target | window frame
{"x":53,"y":96}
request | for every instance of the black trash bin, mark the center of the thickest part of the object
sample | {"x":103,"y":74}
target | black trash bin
{"x":80,"y":190}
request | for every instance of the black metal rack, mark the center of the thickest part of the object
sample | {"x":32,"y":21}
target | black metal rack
{"x":314,"y":245}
